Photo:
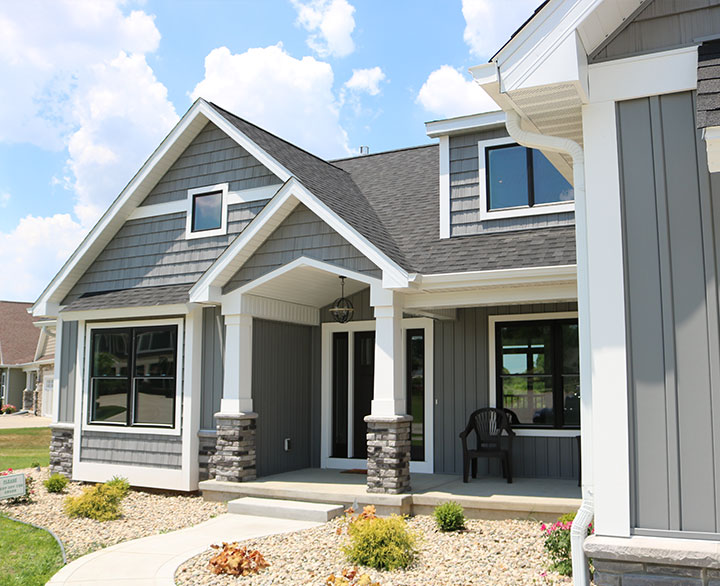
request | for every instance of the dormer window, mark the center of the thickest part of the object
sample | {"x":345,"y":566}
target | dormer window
{"x":518,"y":181}
{"x":207,"y":211}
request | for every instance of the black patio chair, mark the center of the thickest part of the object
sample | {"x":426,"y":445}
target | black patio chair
{"x":488,"y":424}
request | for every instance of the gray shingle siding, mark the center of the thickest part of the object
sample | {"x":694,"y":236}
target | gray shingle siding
{"x":153,"y":252}
{"x":708,"y":91}
{"x":157,"y":451}
{"x":212,"y":158}
{"x":661,"y":25}
{"x":465,"y":192}
{"x":301,"y":234}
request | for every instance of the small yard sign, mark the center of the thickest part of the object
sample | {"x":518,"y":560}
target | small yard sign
{"x":12,"y":485}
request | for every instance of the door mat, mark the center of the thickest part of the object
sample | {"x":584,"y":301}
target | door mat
{"x":354,"y":471}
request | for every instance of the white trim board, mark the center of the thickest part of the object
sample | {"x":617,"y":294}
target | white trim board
{"x":427,"y":466}
{"x":492,"y":371}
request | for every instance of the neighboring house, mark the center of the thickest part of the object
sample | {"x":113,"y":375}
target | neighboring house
{"x":27,"y":348}
{"x":195,"y":337}
{"x":627,"y":93}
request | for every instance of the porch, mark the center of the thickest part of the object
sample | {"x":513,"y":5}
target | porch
{"x":543,"y":499}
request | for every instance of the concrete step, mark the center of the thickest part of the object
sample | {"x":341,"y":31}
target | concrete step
{"x":284,"y":509}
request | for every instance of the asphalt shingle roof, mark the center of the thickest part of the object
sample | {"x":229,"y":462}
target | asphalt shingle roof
{"x":139,"y":297}
{"x":18,"y":335}
{"x":708,"y":91}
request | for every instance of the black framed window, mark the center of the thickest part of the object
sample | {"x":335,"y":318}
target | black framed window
{"x":207,"y":211}
{"x":538,"y":371}
{"x":133,"y":376}
{"x":415,"y":372}
{"x":516,"y":176}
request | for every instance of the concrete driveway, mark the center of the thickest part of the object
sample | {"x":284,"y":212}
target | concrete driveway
{"x":16,"y":421}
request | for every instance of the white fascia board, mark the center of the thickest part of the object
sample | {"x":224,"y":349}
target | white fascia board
{"x":291,"y":193}
{"x":496,"y":278}
{"x":464,"y":123}
{"x":159,"y":162}
{"x":711,"y":136}
{"x":126,"y":312}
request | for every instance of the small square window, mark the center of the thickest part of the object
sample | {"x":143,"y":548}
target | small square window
{"x":207,"y":211}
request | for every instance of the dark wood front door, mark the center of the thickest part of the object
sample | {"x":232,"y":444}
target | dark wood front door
{"x":363,"y":377}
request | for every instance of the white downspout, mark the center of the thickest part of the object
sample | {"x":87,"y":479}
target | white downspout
{"x":581,"y":576}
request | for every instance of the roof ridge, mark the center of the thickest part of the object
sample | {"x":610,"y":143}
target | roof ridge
{"x":398,"y":150}
{"x":280,"y":138}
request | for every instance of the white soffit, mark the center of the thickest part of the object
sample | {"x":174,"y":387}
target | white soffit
{"x":711,"y":135}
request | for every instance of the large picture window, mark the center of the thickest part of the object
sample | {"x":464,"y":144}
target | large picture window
{"x":521,"y":177}
{"x":133,"y":376}
{"x":538,"y":372}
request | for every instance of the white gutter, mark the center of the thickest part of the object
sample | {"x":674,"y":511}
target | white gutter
{"x":581,"y":575}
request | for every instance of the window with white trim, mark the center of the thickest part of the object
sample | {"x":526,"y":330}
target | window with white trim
{"x":207,"y":211}
{"x":133,"y":376}
{"x":518,"y":181}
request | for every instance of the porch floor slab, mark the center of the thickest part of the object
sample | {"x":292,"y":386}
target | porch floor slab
{"x":538,"y":498}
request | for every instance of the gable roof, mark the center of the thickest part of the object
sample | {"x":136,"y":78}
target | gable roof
{"x":18,"y":335}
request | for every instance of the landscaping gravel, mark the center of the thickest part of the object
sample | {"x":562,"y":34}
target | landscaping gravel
{"x":498,"y":553}
{"x":144,"y":513}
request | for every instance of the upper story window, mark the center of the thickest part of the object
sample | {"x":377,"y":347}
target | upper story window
{"x":518,"y":181}
{"x":207,"y":211}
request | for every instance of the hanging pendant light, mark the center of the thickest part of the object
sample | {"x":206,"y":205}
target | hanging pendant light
{"x":342,"y":310}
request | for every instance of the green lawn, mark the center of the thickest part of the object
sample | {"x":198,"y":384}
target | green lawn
{"x":20,"y":448}
{"x":28,"y":556}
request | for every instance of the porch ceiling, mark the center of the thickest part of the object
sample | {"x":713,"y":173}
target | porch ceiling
{"x":306,"y":285}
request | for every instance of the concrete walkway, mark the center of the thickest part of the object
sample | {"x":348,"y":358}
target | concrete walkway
{"x":152,"y":561}
{"x":16,"y":421}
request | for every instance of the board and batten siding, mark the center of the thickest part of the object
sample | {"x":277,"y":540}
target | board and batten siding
{"x":68,"y":361}
{"x":211,"y":158}
{"x":286,"y":395}
{"x":465,"y":191}
{"x":671,"y":224}
{"x":152,"y":252}
{"x":157,"y":451}
{"x":661,"y":25}
{"x":462,"y":385}
{"x":302,"y":233}
{"x":213,"y":350}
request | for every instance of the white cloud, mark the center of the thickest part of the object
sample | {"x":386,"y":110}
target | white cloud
{"x":34,"y":251}
{"x":290,"y":97}
{"x":331,"y":23}
{"x":448,"y":93}
{"x":123,"y":113}
{"x":366,"y":80}
{"x":4,"y":199}
{"x":489,"y":23}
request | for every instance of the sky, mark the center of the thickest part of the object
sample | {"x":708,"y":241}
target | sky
{"x":91,"y":87}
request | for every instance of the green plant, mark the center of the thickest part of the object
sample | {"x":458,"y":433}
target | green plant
{"x":557,"y":543}
{"x":8,"y":409}
{"x":56,"y":483}
{"x":381,"y":543}
{"x":100,"y":502}
{"x":449,"y":516}
{"x":120,"y":484}
{"x":35,"y":464}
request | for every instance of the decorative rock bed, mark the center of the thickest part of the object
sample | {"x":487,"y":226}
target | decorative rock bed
{"x":144,"y":513}
{"x":500,"y":553}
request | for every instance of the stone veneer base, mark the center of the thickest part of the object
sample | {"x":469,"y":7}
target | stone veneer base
{"x":61,"y":449}
{"x":654,"y":561}
{"x":234,"y":459}
{"x":388,"y":454}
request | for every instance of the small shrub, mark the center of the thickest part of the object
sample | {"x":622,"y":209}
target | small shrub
{"x":381,"y":543}
{"x":557,"y":543}
{"x":56,"y":483}
{"x":236,"y":561}
{"x":35,"y":464}
{"x":350,"y":577}
{"x":449,"y":517}
{"x":7,"y":409}
{"x":120,"y":484}
{"x":28,"y":497}
{"x":100,"y":502}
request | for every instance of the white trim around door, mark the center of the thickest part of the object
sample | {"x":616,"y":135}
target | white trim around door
{"x":328,"y":329}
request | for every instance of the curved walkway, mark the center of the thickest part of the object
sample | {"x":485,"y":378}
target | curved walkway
{"x":152,"y":561}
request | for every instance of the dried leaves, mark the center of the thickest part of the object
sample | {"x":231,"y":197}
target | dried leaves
{"x":350,"y":577}
{"x":236,"y":560}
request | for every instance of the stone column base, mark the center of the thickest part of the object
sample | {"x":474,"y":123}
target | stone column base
{"x":388,"y":454}
{"x":207,"y":441}
{"x":28,"y":400}
{"x":650,"y":561}
{"x":61,"y":449}
{"x":234,"y":457}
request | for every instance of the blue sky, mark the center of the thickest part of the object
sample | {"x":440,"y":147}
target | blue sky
{"x":91,"y":88}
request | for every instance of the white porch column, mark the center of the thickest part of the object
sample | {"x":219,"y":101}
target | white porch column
{"x":237,"y":378}
{"x":388,"y":388}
